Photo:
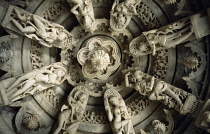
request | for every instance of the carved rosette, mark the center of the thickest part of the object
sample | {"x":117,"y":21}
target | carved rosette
{"x":31,"y":123}
{"x":99,"y":59}
{"x":5,"y":54}
{"x":159,"y":127}
{"x":170,"y":1}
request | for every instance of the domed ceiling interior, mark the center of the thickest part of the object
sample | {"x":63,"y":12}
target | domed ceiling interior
{"x":104,"y":66}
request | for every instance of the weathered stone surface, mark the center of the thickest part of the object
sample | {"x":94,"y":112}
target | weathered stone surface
{"x":102,"y":66}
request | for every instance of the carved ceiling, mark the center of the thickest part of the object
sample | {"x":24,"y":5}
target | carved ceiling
{"x":104,"y":66}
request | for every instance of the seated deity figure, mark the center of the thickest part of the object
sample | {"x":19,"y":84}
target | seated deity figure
{"x":69,"y":119}
{"x":118,"y":115}
{"x":155,"y":40}
{"x":83,"y":10}
{"x":37,"y":80}
{"x":46,"y":33}
{"x":121,"y":13}
{"x":150,"y":87}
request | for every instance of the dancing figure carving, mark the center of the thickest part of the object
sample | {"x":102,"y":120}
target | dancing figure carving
{"x":121,"y":13}
{"x":163,"y":38}
{"x":83,"y":10}
{"x":46,"y":33}
{"x":157,"y":90}
{"x":36,"y":81}
{"x":117,"y":113}
{"x":72,"y":113}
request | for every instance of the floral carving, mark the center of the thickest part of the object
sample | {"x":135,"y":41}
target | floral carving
{"x":147,"y":16}
{"x":36,"y":55}
{"x":5,"y":54}
{"x":192,"y":62}
{"x":31,"y":123}
{"x":57,"y":8}
{"x":170,"y":1}
{"x":99,"y":59}
{"x":159,"y":127}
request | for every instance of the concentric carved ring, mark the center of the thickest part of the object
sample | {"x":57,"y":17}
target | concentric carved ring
{"x":99,"y":58}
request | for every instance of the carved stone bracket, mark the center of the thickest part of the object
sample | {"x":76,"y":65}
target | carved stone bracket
{"x":37,"y":28}
{"x":171,"y":35}
{"x":83,"y":10}
{"x":72,"y":112}
{"x":30,"y":83}
{"x":121,"y":13}
{"x":117,"y":113}
{"x":158,"y":90}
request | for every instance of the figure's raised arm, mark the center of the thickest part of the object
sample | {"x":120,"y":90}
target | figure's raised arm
{"x":114,"y":5}
{"x":108,"y":109}
{"x":41,"y":19}
{"x":152,"y":82}
{"x":126,"y":80}
{"x":74,"y":9}
{"x":21,"y":17}
{"x":127,"y":83}
{"x":137,"y":2}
